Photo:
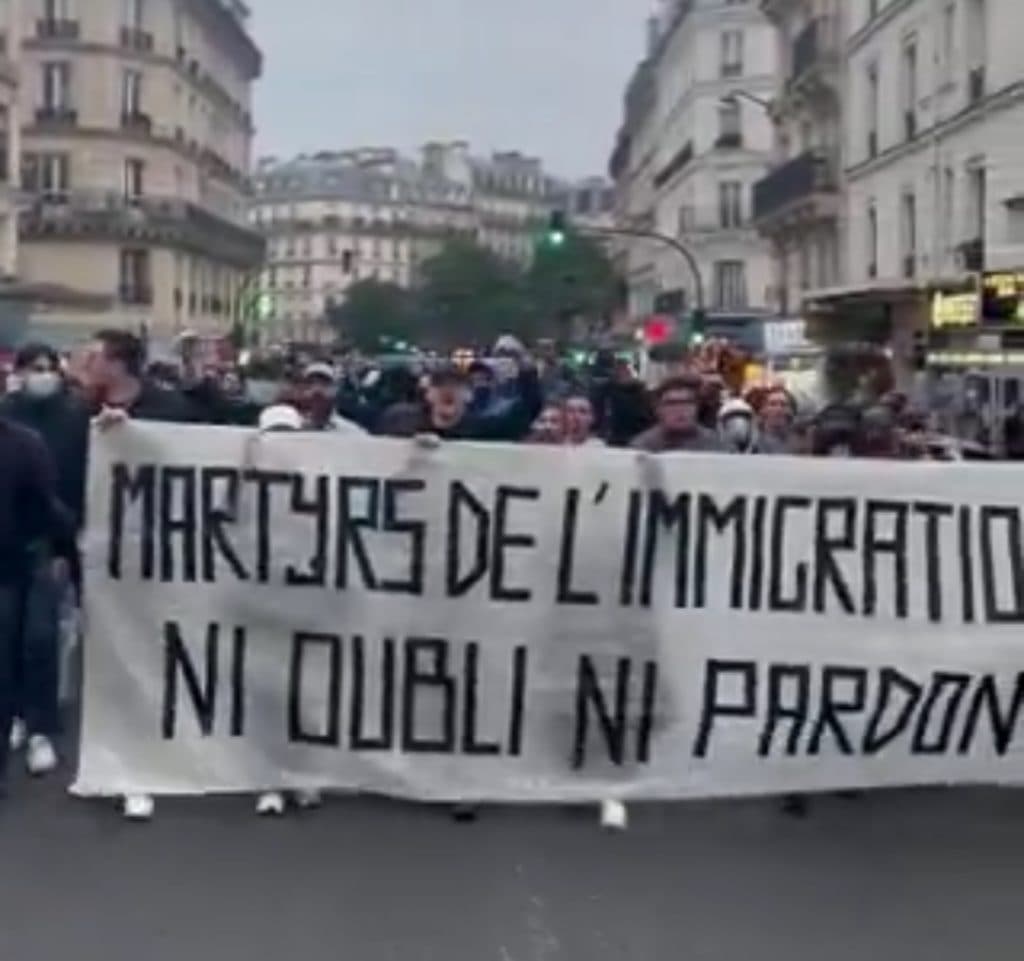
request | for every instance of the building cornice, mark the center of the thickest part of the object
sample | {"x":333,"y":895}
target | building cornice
{"x":207,"y":159}
{"x":883,"y":18}
{"x":1001,"y":99}
{"x":186,"y":69}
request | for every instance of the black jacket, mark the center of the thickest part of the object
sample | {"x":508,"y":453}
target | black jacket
{"x":62,"y":422}
{"x":155,"y":403}
{"x":622,"y":410}
{"x":512,"y":424}
{"x":29,"y":510}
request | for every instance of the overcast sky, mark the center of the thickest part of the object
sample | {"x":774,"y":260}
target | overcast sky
{"x":542,"y":76}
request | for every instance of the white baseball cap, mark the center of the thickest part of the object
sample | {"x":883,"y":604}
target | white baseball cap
{"x":280,"y":417}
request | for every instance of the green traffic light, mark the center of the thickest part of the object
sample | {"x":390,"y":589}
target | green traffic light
{"x":556,"y":238}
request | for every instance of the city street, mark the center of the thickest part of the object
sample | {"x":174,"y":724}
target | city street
{"x":934,"y":875}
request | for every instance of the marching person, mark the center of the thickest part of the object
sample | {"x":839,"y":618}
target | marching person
{"x":283,"y":418}
{"x":44,"y":405}
{"x":445,"y":411}
{"x":112,"y":378}
{"x":678,"y":429}
{"x":318,"y":399}
{"x":776,"y":421}
{"x":32,"y":525}
{"x":579,"y":422}
{"x":736,"y":428}
{"x":549,"y":427}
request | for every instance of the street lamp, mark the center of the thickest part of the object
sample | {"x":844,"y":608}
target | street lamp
{"x":732,"y":98}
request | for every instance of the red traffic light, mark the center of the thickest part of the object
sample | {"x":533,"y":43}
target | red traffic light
{"x":658,"y":329}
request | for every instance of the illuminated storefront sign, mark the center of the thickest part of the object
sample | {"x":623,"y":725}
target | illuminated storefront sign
{"x":955,"y":310}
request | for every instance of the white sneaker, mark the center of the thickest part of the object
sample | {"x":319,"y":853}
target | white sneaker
{"x":138,"y":807}
{"x":614,"y":816}
{"x":308,"y":799}
{"x":19,"y":734}
{"x":270,"y":802}
{"x":40,"y":758}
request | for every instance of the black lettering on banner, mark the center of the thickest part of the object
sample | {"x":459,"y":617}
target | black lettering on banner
{"x":359,"y":740}
{"x":589,"y":696}
{"x":648,"y":700}
{"x":827,"y":572}
{"x":264,"y":481}
{"x":631,"y":543}
{"x":434,"y":678}
{"x":219,"y":490}
{"x":756,"y":595}
{"x":330,"y":736}
{"x":458,"y":583}
{"x":990,"y":565}
{"x":779,"y":710}
{"x":956,"y":685}
{"x":1003,"y":724}
{"x":317,"y":507}
{"x":470,"y":706}
{"x":875,"y":738}
{"x":833,"y":704}
{"x":128,"y":486}
{"x":238,"y":682}
{"x":202,"y":693}
{"x":350,"y":528}
{"x":875,"y":544}
{"x":414,"y":530}
{"x":662,"y":513}
{"x":180,"y":526}
{"x":710,"y":516}
{"x":713,"y":706}
{"x":776,"y":601}
{"x":567,"y":594}
{"x":933,"y":514}
{"x":503,"y":541}
{"x":964,"y":532}
{"x":515,"y":720}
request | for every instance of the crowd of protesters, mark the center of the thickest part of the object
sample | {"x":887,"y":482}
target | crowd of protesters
{"x":51,"y":403}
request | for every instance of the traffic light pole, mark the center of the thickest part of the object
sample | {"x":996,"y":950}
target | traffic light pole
{"x":691,"y":261}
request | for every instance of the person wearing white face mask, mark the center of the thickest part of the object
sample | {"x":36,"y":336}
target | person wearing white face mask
{"x":44,"y":405}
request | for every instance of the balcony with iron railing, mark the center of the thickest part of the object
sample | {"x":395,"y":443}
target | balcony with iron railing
{"x":800,"y":179}
{"x":135,"y":121}
{"x":55,"y":29}
{"x":136,"y":294}
{"x":51,"y":115}
{"x":133,"y":38}
{"x":150,"y":220}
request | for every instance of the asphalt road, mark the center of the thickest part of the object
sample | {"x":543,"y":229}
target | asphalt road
{"x":934,"y":875}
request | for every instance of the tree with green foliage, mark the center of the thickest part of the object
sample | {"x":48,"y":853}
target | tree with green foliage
{"x":572,"y":281}
{"x":469,"y":296}
{"x":374,"y":315}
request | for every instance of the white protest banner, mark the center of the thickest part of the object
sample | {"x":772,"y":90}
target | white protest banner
{"x":540,"y":623}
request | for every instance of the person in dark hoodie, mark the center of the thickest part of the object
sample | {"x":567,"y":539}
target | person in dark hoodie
{"x":31,"y":521}
{"x":621,"y":402}
{"x":44,"y":405}
{"x":445,"y":411}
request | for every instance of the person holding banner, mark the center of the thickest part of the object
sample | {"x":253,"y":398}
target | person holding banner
{"x":112,"y":379}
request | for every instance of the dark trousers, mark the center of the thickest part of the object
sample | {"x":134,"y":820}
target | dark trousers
{"x":37,"y":658}
{"x":10,"y":634}
{"x":29,"y":660}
